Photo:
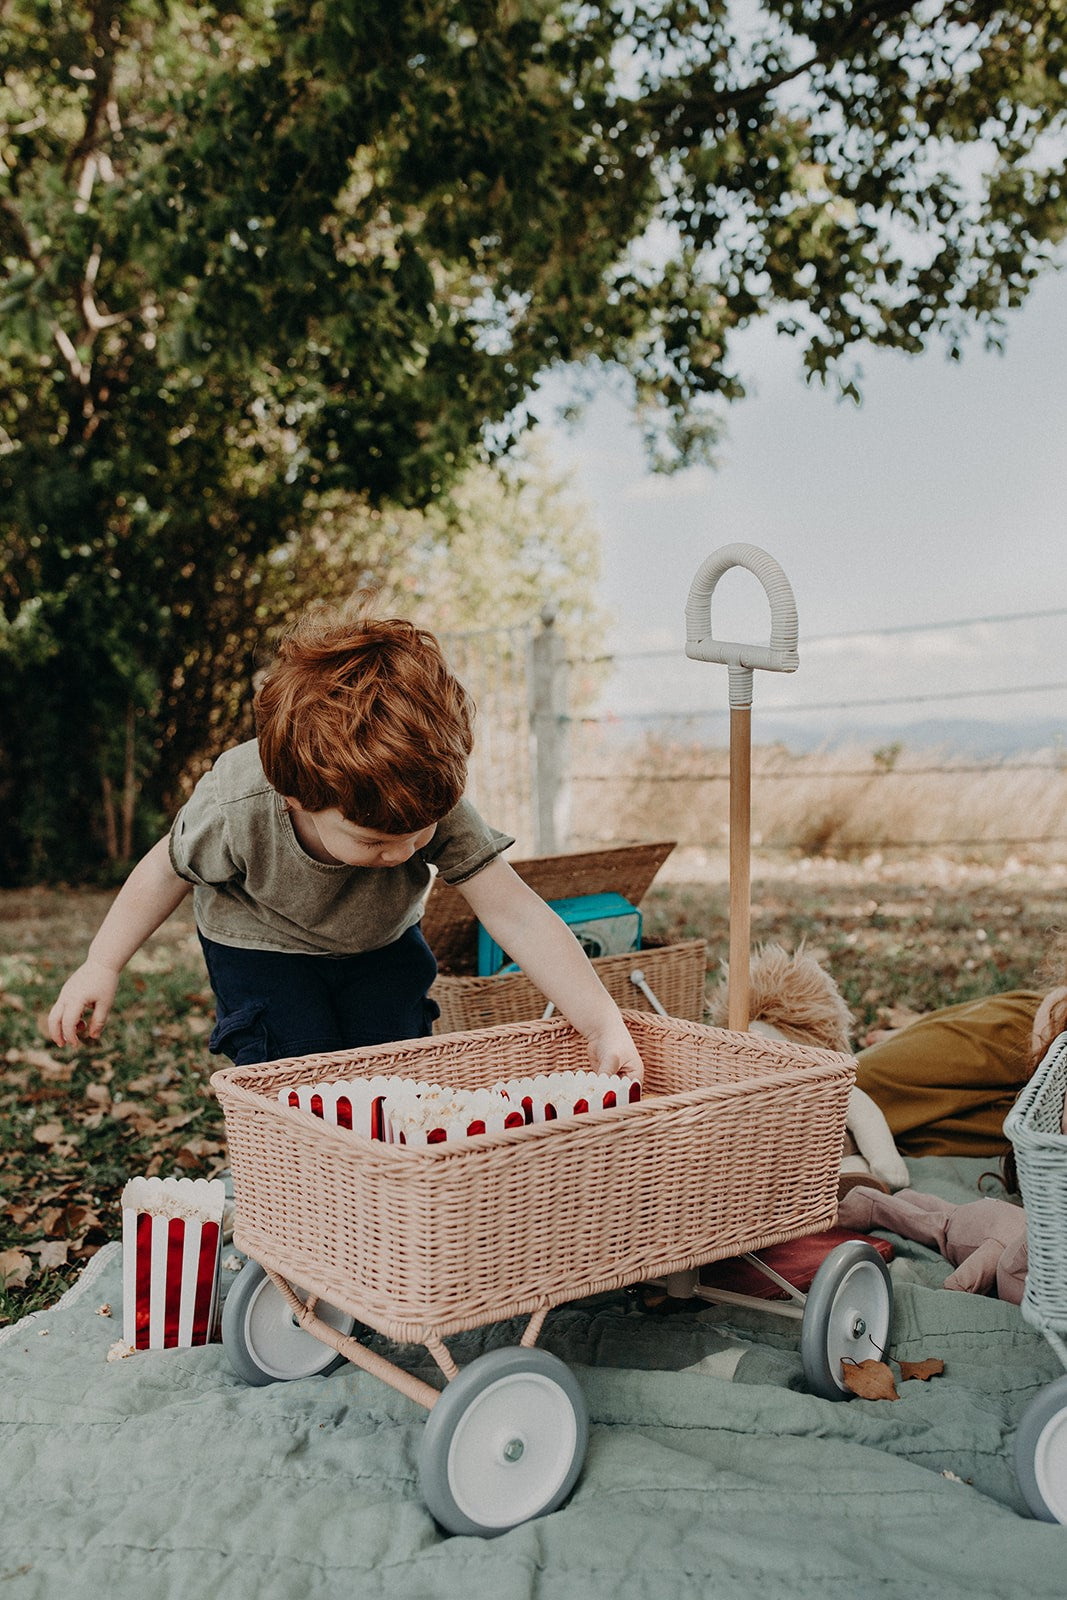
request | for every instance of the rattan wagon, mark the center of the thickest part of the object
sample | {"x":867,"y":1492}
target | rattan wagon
{"x":1035,"y":1127}
{"x":734,"y":1146}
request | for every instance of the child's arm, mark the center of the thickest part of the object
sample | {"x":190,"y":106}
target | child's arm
{"x":151,"y":892}
{"x":551,"y":957}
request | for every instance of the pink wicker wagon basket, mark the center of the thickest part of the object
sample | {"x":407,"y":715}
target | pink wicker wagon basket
{"x":735,"y":1145}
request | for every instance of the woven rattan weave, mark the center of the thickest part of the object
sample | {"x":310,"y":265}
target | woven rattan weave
{"x":674,"y":972}
{"x":735,"y":1145}
{"x":1034,"y":1127}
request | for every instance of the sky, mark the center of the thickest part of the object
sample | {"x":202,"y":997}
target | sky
{"x":940,"y":499}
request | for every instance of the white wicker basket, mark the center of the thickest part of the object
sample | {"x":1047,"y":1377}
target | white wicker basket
{"x":1034,"y":1126}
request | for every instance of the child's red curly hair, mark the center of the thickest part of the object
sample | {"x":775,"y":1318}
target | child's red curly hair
{"x":363,"y":715}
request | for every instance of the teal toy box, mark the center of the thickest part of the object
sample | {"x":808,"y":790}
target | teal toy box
{"x":603,"y":924}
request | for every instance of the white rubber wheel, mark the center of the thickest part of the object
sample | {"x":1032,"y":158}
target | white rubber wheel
{"x":847,"y":1317}
{"x":262,"y":1338}
{"x":1041,"y":1453}
{"x":504,"y":1443}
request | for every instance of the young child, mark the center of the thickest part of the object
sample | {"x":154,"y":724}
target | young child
{"x":308,"y":851}
{"x":946,"y":1082}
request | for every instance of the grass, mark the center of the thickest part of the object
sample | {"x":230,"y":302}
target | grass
{"x":74,"y":1125}
{"x":897,"y":946}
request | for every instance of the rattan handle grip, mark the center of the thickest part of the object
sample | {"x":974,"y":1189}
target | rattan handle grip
{"x":779,"y":655}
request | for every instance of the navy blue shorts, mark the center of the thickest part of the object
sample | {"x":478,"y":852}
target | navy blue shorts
{"x":270,"y":1004}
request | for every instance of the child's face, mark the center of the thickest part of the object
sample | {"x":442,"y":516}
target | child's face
{"x":1050,"y":1019}
{"x":330,"y":837}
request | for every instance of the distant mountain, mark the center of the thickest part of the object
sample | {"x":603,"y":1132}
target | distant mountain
{"x":987,"y":741}
{"x":952,"y":735}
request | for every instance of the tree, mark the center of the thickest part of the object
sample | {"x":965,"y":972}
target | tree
{"x":257,"y":257}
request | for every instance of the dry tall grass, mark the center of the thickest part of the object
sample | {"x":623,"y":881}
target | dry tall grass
{"x":848,"y":803}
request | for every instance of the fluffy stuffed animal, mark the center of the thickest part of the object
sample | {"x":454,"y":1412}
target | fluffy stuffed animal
{"x":985,"y":1239}
{"x":790,"y":993}
{"x":791,"y":997}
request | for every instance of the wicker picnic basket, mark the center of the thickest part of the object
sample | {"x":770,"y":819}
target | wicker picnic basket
{"x":1034,"y":1126}
{"x":675,"y":973}
{"x":735,"y":1145}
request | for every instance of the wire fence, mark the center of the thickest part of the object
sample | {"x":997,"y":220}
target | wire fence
{"x":818,"y":811}
{"x":638,"y":769}
{"x":493,"y":665}
{"x":560,"y":777}
{"x":935,"y":696}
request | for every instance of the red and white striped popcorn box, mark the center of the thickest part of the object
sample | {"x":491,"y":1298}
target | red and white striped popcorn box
{"x":357,"y":1104}
{"x":402,"y":1111}
{"x":171,"y":1250}
{"x":551,"y":1095}
{"x":417,"y":1113}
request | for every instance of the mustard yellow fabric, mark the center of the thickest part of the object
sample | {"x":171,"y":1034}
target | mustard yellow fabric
{"x":946,"y":1083}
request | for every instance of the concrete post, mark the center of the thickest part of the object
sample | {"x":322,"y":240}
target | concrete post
{"x":549,"y":736}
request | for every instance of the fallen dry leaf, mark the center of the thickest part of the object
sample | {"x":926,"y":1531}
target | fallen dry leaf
{"x":194,"y":1150}
{"x":15,"y":1269}
{"x":49,"y":1132}
{"x":136,"y":1115}
{"x":63,"y":1222}
{"x":871,"y":1380}
{"x":151,"y":1083}
{"x":64,"y":1191}
{"x":60,"y":1141}
{"x":932,"y":1367}
{"x":181,"y":1119}
{"x":45,"y":1063}
{"x":53,"y":1253}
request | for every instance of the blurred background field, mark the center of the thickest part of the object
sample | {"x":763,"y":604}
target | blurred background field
{"x":849,"y":802}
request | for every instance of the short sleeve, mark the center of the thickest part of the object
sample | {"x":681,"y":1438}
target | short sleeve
{"x":463,"y":844}
{"x":199,"y":849}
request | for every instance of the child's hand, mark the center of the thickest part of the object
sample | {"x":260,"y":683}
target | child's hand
{"x":614,"y":1051}
{"x":92,"y":985}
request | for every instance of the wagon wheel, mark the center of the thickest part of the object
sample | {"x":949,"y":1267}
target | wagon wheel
{"x":1041,"y":1453}
{"x":504,"y":1443}
{"x":847,"y":1316}
{"x":264,"y":1341}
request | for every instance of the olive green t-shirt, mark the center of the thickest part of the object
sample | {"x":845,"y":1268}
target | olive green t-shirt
{"x":257,"y":888}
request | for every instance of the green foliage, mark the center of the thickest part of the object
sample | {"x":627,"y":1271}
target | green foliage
{"x":489,"y":554}
{"x":270,"y":263}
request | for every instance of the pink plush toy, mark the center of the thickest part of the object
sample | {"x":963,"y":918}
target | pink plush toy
{"x":985,"y":1239}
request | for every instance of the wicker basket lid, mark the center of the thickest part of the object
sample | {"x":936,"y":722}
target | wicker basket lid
{"x":451,"y":928}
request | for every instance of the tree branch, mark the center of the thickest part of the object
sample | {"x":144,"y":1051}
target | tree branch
{"x":103,"y":69}
{"x":713,"y":104}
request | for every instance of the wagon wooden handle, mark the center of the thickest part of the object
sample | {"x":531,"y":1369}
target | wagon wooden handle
{"x":778,"y":655}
